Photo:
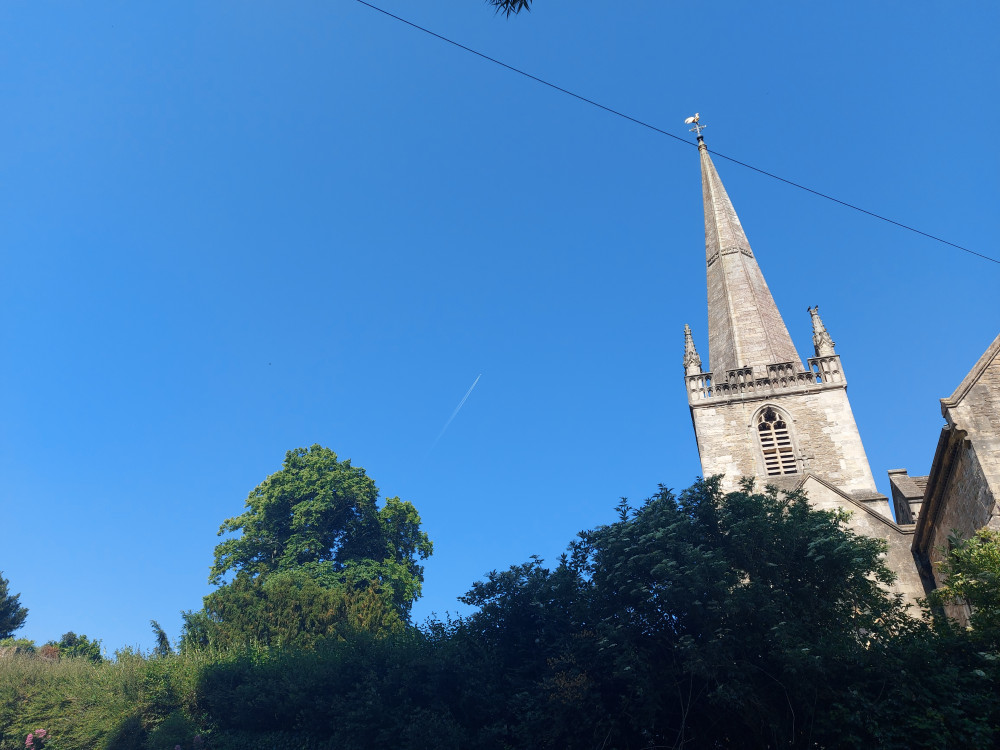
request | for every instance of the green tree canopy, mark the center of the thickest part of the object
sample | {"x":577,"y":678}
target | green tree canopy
{"x":747,"y":619}
{"x":972,"y":570}
{"x":322,"y":513}
{"x":289,"y":609}
{"x":12,"y":614}
{"x":74,"y":646}
{"x":313,"y":548}
{"x":701,"y":619}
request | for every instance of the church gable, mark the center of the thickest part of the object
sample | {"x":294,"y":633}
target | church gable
{"x":963,"y":487}
{"x":980,"y":384}
{"x":973,"y":413}
{"x":974,"y":408}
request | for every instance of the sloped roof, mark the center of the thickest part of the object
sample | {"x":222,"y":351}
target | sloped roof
{"x":991,"y":353}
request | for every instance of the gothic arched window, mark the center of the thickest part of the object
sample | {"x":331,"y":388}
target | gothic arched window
{"x":775,"y":443}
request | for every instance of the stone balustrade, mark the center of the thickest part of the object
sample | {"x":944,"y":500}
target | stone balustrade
{"x":781,"y":377}
{"x":827,"y":369}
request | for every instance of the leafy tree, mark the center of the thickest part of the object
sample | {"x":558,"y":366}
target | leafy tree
{"x":288,"y":608}
{"x":972,"y":570}
{"x":74,"y":646}
{"x":17,"y":646}
{"x":740,"y":620}
{"x":700,"y":619}
{"x":746,"y":620}
{"x":12,"y":614}
{"x":315,"y":554}
{"x":322,"y":514}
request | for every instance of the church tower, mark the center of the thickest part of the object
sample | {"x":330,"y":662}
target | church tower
{"x":757,"y":411}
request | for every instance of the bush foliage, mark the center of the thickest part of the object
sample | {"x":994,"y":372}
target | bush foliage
{"x":747,"y":620}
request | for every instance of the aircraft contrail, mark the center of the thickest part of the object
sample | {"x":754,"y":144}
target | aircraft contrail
{"x":455,"y":413}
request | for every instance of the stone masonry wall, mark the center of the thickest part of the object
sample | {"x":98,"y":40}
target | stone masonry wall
{"x":823,"y":431}
{"x":978,"y":414}
{"x":967,"y":505}
{"x":970,"y":495}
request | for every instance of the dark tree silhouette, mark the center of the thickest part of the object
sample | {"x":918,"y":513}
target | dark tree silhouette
{"x":12,"y":614}
{"x":510,"y":6}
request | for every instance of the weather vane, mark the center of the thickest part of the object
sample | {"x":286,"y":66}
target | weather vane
{"x":698,"y":127}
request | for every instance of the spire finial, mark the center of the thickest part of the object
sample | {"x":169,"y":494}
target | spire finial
{"x":692,"y":362}
{"x":821,"y":339}
{"x":698,"y":127}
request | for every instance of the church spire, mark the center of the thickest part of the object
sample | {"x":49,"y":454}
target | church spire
{"x":757,"y":412}
{"x":745,"y":328}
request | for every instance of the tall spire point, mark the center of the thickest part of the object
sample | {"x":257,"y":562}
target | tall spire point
{"x":745,"y":328}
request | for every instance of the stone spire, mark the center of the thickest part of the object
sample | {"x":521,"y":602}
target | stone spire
{"x":821,"y":339}
{"x":692,"y":362}
{"x":745,"y":328}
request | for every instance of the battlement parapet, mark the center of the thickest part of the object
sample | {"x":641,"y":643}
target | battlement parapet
{"x":781,"y":378}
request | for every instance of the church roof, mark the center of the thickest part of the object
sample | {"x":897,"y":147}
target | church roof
{"x":745,"y":328}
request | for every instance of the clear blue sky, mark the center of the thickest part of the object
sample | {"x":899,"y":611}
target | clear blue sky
{"x":230,"y":229}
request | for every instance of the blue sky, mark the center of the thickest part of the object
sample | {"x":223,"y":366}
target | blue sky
{"x":230,"y":229}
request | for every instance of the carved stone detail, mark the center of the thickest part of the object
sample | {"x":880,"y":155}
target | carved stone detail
{"x":692,"y":362}
{"x":782,"y":377}
{"x":821,"y":339}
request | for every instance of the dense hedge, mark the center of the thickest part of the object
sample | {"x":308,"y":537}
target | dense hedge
{"x":746,"y":620}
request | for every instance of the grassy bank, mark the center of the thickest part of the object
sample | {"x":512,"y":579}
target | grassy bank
{"x":85,"y":705}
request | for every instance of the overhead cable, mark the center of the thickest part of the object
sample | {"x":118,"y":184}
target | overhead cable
{"x":685,"y":141}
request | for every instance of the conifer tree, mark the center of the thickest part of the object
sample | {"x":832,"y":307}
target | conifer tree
{"x":12,"y":614}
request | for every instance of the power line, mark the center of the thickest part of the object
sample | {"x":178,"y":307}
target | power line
{"x":685,"y":141}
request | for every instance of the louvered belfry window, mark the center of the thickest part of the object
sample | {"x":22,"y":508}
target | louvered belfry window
{"x":776,"y":443}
